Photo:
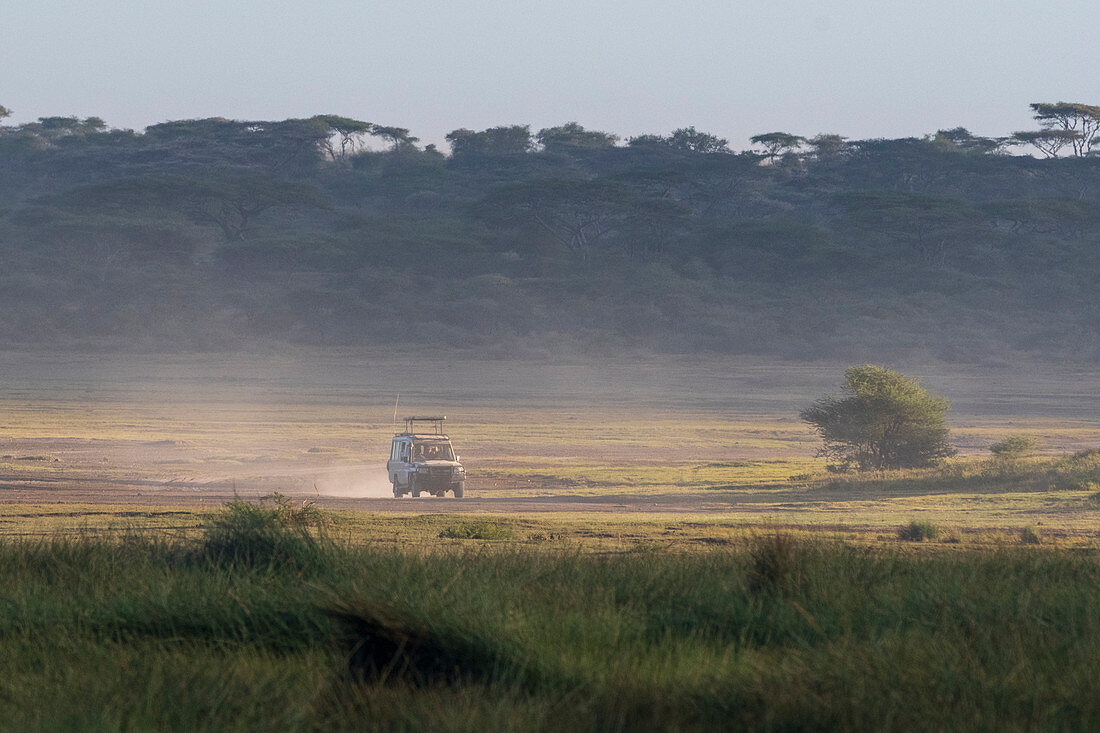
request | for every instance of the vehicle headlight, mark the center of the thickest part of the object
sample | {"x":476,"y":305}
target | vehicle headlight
{"x":458,"y":470}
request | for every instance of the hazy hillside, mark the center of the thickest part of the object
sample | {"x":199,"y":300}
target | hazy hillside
{"x":215,"y":234}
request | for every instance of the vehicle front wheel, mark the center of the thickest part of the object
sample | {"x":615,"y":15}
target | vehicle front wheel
{"x":458,"y":489}
{"x":412,"y":487}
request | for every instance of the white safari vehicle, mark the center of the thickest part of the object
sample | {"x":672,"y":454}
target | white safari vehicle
{"x":424,"y":461}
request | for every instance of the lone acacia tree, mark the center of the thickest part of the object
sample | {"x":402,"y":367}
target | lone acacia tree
{"x":884,"y":419}
{"x":1062,"y":124}
{"x":776,"y":144}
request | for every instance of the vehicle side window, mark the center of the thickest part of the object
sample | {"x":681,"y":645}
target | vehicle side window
{"x":393,"y":451}
{"x":404,"y":454}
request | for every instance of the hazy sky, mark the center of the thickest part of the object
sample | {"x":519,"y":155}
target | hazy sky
{"x":862,"y":68}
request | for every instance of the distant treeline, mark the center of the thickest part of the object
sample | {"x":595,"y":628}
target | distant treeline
{"x":214,"y":233}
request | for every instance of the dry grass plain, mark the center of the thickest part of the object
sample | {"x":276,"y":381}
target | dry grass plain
{"x":678,"y":452}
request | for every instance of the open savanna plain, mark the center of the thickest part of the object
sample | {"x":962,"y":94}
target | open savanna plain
{"x":209,"y":543}
{"x":670,"y":449}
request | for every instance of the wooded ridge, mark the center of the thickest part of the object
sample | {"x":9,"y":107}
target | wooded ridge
{"x":331,"y":231}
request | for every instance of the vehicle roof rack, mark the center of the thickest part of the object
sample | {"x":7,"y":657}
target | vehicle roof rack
{"x":436,"y":420}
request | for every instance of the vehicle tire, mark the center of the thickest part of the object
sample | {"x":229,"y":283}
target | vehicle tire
{"x":458,"y":489}
{"x":397,"y":493}
{"x":412,"y":487}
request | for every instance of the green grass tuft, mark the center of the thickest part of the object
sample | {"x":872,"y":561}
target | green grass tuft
{"x":255,"y":534}
{"x":773,"y":564}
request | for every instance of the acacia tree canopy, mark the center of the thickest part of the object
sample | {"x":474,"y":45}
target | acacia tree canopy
{"x":345,"y":135}
{"x":1048,"y":142}
{"x":398,"y":137}
{"x":573,"y":136}
{"x":502,"y":140}
{"x":883,"y":419}
{"x":777,"y":143}
{"x":690,"y":140}
{"x":230,"y":201}
{"x":1061,"y":124}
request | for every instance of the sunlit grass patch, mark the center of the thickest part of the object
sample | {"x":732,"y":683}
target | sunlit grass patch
{"x":585,"y":478}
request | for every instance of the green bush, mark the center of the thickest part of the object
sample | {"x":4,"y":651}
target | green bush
{"x":1015,"y":446}
{"x":1078,"y":472}
{"x":918,"y":531}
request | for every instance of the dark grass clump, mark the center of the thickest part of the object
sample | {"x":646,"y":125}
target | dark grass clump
{"x":245,"y":533}
{"x":477,"y":531}
{"x":1029,"y":535}
{"x":919,"y":531}
{"x":384,"y":646}
{"x":773,"y":564}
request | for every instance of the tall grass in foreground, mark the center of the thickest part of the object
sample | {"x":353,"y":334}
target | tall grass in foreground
{"x":290,"y":630}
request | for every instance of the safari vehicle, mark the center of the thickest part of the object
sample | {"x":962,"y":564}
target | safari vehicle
{"x":423,"y":461}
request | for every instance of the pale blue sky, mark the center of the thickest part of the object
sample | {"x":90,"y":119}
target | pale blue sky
{"x":862,"y":68}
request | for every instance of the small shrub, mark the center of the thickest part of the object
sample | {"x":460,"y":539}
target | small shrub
{"x":1078,"y":472}
{"x":307,"y":514}
{"x":1029,"y":535}
{"x":1093,"y":499}
{"x":1015,"y":446}
{"x":917,"y":531}
{"x":477,"y":531}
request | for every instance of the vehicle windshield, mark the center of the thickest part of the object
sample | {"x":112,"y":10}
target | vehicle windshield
{"x":434,"y":451}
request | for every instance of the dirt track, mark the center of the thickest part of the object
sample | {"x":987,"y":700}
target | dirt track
{"x":356,"y":486}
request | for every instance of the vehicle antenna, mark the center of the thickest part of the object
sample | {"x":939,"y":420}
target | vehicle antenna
{"x":395,"y":403}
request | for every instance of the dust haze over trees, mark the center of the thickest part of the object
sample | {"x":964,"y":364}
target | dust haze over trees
{"x":336,"y":231}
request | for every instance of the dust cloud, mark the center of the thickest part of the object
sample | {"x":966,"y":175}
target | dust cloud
{"x":354,"y":482}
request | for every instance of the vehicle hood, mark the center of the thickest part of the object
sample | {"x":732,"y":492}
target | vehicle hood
{"x":438,"y":464}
